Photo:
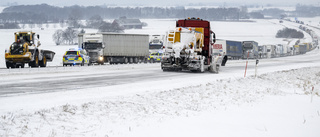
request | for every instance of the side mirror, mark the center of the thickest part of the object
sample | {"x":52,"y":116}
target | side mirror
{"x":213,"y":37}
{"x":38,"y":36}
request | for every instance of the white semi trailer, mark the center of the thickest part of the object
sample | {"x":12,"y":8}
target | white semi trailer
{"x":123,"y":48}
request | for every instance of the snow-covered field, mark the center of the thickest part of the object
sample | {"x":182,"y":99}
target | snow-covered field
{"x":279,"y":102}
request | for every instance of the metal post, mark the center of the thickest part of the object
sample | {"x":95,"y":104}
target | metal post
{"x":257,"y":62}
{"x":245,"y":72}
{"x":312,"y":93}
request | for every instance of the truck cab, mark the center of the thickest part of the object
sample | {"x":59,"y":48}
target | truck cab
{"x":250,"y":49}
{"x":93,"y":44}
{"x":156,"y":42}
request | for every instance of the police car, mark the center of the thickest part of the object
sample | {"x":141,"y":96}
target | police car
{"x":155,"y":57}
{"x":75,"y":57}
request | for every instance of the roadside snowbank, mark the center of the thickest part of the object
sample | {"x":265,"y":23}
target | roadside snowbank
{"x":237,"y":107}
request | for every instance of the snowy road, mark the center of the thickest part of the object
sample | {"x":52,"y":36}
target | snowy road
{"x":26,"y":81}
{"x":67,"y":81}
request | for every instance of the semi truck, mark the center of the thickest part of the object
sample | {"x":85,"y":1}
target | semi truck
{"x":93,"y":44}
{"x":230,"y":49}
{"x":190,"y":47}
{"x":25,"y":49}
{"x":250,"y":49}
{"x":122,"y":48}
{"x":262,"y":51}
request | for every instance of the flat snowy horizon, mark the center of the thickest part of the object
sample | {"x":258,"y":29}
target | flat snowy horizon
{"x":140,"y":100}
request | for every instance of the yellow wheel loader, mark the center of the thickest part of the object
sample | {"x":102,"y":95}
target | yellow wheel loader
{"x":25,"y":49}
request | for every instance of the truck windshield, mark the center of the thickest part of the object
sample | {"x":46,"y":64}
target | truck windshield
{"x":247,"y":45}
{"x":155,"y":41}
{"x":92,"y":45}
{"x":24,"y":36}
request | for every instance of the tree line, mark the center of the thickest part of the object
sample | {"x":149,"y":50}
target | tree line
{"x":289,"y":33}
{"x":45,"y":13}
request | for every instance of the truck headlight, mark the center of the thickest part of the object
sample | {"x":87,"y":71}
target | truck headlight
{"x":100,"y":58}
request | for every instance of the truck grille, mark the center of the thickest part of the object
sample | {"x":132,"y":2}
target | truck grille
{"x":93,"y":54}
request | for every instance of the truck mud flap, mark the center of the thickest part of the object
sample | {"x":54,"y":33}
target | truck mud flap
{"x":224,"y":61}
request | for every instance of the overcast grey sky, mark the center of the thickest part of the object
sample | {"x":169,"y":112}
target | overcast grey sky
{"x":160,"y":2}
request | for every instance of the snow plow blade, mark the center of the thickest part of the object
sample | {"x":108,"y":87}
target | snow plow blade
{"x":49,"y":55}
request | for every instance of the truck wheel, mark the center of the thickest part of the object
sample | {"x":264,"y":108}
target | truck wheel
{"x":151,"y":60}
{"x":125,"y":60}
{"x":22,"y":65}
{"x":43,"y":62}
{"x":35,"y":63}
{"x":9,"y":65}
{"x":145,"y":60}
{"x":135,"y":60}
{"x":82,"y":64}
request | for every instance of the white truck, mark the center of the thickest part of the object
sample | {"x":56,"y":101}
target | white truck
{"x":123,"y":48}
{"x":93,"y":44}
{"x":156,"y":43}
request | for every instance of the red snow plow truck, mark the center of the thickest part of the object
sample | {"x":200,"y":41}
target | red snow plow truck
{"x":190,"y":47}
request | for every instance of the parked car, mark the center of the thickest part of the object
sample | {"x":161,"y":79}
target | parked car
{"x":76,"y":57}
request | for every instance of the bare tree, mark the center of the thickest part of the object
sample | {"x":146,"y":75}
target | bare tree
{"x":57,"y":37}
{"x":68,"y":36}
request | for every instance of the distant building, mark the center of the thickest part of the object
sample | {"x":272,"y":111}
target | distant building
{"x":129,"y":23}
